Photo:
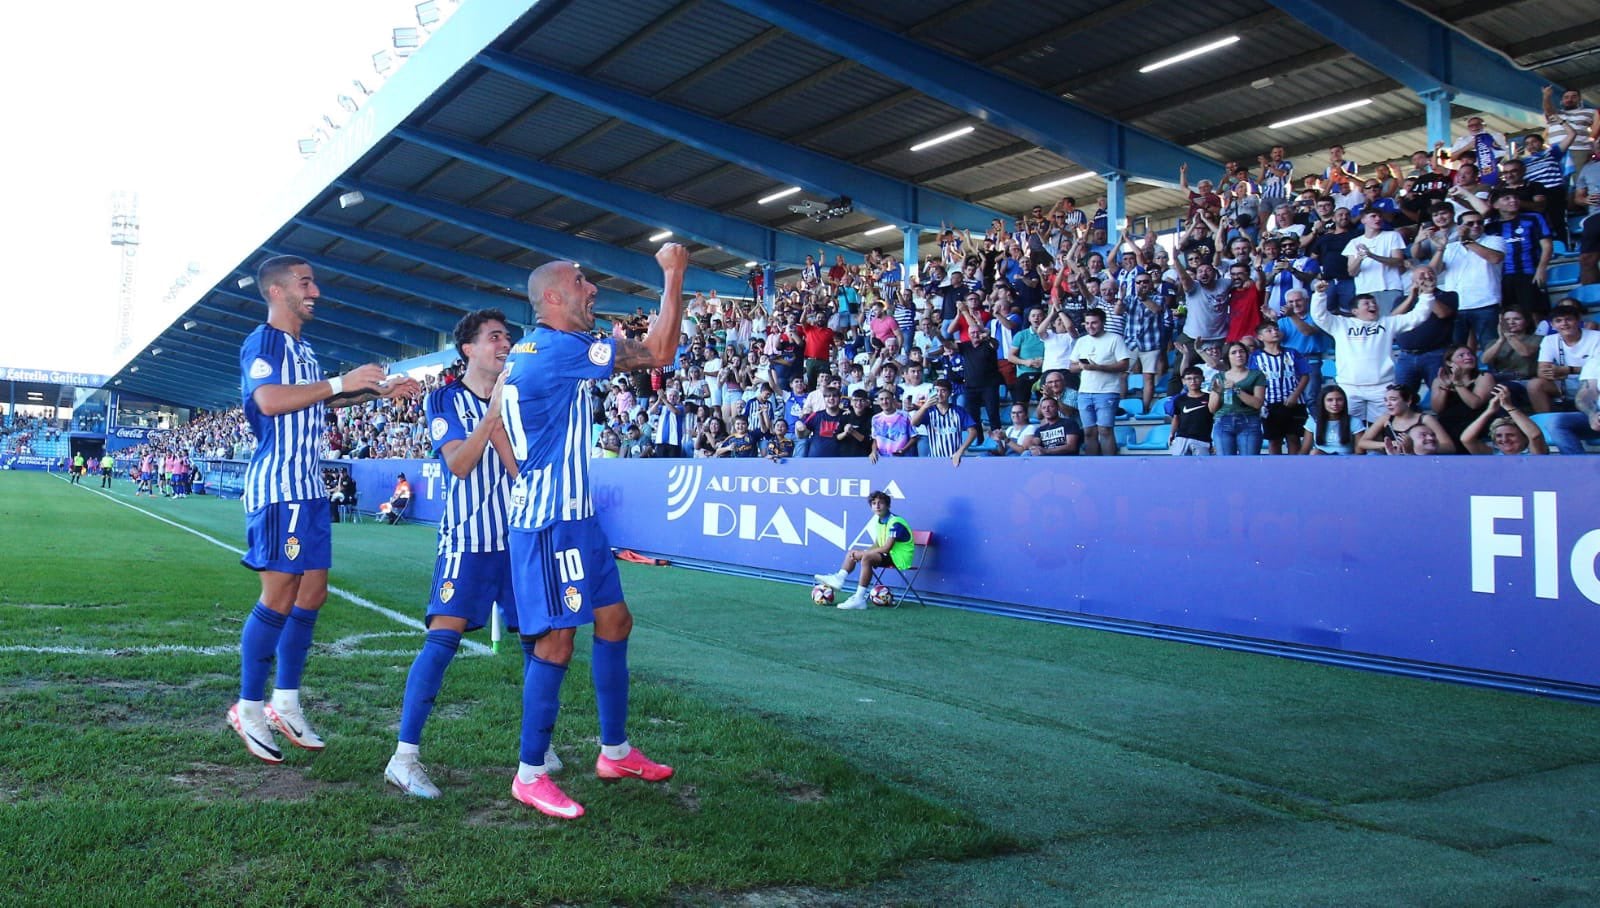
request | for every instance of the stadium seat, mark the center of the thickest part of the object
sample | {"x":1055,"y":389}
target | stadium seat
{"x":1154,"y":440}
{"x":1130,"y":408}
{"x":923,"y":542}
{"x":1587,"y":294}
{"x":1329,"y":368}
{"x":1563,"y":273}
{"x":1125,"y":436}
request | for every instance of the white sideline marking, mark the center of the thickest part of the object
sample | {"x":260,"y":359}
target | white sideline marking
{"x":346,"y":595}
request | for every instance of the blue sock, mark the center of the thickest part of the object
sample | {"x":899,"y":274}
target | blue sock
{"x":257,"y":642}
{"x":423,"y":681}
{"x":541,"y":701}
{"x":294,"y":646}
{"x":610,"y":667}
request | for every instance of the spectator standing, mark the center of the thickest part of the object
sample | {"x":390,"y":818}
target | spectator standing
{"x":1572,"y":126}
{"x":1236,"y":397}
{"x":1482,"y":148}
{"x":1468,"y":265}
{"x":1099,"y":358}
{"x":1283,"y":413}
{"x":1419,"y":349}
{"x":1375,"y":259}
{"x":891,"y":428}
{"x":1362,"y":343}
{"x":1147,"y":333}
{"x":950,"y":429}
{"x":1192,"y":417}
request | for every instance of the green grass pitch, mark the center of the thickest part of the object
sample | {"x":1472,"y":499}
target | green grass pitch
{"x":905,"y":757}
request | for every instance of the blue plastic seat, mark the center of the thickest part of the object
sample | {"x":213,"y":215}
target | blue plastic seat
{"x":1154,"y":440}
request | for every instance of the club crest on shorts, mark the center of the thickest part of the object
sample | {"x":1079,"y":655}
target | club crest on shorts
{"x":292,"y":548}
{"x":573,"y":599}
{"x":447,"y":591}
{"x":600,"y":353}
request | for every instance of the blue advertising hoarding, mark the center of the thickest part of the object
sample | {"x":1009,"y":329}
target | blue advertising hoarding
{"x":1486,"y":564}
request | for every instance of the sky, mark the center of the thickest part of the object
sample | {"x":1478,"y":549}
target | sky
{"x":196,"y":106}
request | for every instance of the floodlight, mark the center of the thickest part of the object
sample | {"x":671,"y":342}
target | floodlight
{"x":382,"y":62}
{"x":751,"y":264}
{"x":406,"y":41}
{"x":428,"y":13}
{"x":155,"y":351}
{"x":361,"y":87}
{"x":1320,"y":113}
{"x":1189,"y":54}
{"x":348,"y":199}
{"x":189,"y":325}
{"x":133,"y":369}
{"x":308,"y":147}
{"x":941,"y":139}
{"x":246,"y":282}
{"x":349,"y":103}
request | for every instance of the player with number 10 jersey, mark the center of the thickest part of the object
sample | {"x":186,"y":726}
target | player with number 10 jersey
{"x":561,"y":563}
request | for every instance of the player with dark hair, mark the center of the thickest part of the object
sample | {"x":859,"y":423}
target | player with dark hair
{"x":891,"y":543}
{"x":561,"y":564}
{"x":287,"y":527}
{"x":473,"y":570}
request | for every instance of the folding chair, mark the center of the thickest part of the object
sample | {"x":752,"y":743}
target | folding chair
{"x":397,"y":511}
{"x":352,"y":510}
{"x":923,"y":540}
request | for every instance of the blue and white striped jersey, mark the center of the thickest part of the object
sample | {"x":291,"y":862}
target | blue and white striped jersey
{"x":287,"y":464}
{"x":476,"y":506}
{"x":548,"y":412}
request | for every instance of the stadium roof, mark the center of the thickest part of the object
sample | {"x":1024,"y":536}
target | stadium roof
{"x":521,"y":132}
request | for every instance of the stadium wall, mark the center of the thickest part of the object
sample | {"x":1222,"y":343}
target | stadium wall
{"x":1478,"y":564}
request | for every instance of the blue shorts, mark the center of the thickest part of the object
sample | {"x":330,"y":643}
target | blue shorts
{"x":468,"y":584}
{"x":1097,"y":409}
{"x":291,"y":537}
{"x":561,"y":574}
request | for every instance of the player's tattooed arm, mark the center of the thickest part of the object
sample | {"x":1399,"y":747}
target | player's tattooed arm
{"x":631,"y":355}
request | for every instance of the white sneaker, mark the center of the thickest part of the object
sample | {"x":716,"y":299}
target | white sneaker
{"x":256,"y":735}
{"x":552,"y":763}
{"x":834,"y":580}
{"x":292,"y":722}
{"x":408,"y":775}
{"x":857,"y":600}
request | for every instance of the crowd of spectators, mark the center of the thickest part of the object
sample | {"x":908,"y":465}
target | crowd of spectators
{"x":21,"y":434}
{"x":1423,"y":285}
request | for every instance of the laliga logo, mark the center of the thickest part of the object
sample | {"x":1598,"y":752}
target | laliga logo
{"x":683,"y":486}
{"x":1488,"y":544}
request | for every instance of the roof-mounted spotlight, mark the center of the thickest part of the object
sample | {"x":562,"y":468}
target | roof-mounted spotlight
{"x":155,"y":351}
{"x":308,"y":147}
{"x":382,"y":62}
{"x":117,"y":382}
{"x":428,"y":14}
{"x":352,"y":198}
{"x":190,"y":325}
{"x":246,"y":282}
{"x":349,"y":103}
{"x":361,"y":87}
{"x":406,"y":41}
{"x":132,"y":369}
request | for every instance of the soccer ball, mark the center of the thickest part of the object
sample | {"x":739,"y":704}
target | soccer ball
{"x":880,"y":595}
{"x":822,"y":594}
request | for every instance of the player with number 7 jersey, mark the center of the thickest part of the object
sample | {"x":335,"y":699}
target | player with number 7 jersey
{"x":287,"y":524}
{"x":562,"y":568}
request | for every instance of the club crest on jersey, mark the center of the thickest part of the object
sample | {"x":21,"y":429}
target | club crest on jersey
{"x":600,"y":353}
{"x":260,"y":368}
{"x":573,"y":599}
{"x":292,"y":548}
{"x":438,"y":427}
{"x":447,"y":592}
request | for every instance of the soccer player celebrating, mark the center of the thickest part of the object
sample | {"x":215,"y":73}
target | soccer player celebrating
{"x":286,"y":529}
{"x":561,"y":564}
{"x":473,"y":570}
